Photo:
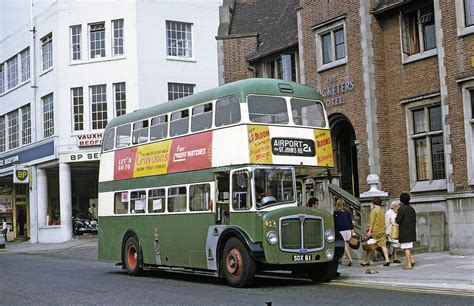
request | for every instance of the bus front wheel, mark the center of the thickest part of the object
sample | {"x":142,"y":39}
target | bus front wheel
{"x":132,"y":256}
{"x":239,"y":267}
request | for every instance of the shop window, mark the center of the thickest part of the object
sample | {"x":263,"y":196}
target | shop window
{"x":200,"y":197}
{"x":177,"y":199}
{"x":418,"y":34}
{"x":227,"y":111}
{"x":138,"y":202}
{"x":121,"y":203}
{"x":156,"y":200}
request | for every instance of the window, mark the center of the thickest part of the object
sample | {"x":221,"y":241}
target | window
{"x":264,"y":109}
{"x":12,"y":72}
{"x":177,"y":90}
{"x":156,"y":200}
{"x":76,"y":37}
{"x":47,"y":51}
{"x":2,"y":134}
{"x":331,"y":44}
{"x":468,"y":97}
{"x":427,"y":137}
{"x":469,"y":12}
{"x":177,"y":199}
{"x":2,"y":79}
{"x":97,"y":40}
{"x":117,"y":37}
{"x":48,"y":114}
{"x":241,"y":192}
{"x":77,"y":108}
{"x":306,"y":112}
{"x":26,"y":124}
{"x":200,"y":197}
{"x":121,"y":203}
{"x":179,"y":124}
{"x":179,"y":39}
{"x":13,"y":130}
{"x":140,"y":132}
{"x":25,"y":64}
{"x":418,"y":32}
{"x":123,"y":136}
{"x":99,"y":106}
{"x":137,"y":202}
{"x":284,"y":67}
{"x":227,"y":111}
{"x":109,"y":140}
{"x":120,"y":99}
{"x":201,"y":118}
{"x":159,"y":127}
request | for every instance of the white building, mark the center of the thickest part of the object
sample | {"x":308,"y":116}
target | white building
{"x":68,"y":69}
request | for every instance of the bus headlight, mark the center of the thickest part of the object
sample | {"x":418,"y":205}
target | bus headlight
{"x":329,"y":253}
{"x":329,"y":235}
{"x":272,"y":237}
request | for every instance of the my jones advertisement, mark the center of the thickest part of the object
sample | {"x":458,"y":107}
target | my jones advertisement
{"x":180,"y":154}
{"x":324,"y":157}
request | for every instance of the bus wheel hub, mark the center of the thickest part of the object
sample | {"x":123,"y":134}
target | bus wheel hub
{"x":234,"y":261}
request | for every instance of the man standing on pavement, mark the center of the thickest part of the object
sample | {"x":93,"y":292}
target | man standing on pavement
{"x":406,"y":219}
{"x":4,"y":229}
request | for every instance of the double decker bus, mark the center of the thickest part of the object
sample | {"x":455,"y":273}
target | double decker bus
{"x":215,"y":183}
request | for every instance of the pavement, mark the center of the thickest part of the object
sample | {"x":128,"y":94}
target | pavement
{"x":433,"y":271}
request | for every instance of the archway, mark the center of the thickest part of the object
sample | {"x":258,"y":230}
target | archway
{"x":345,"y":153}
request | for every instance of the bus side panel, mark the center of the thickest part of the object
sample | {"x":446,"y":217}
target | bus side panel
{"x":250,"y":222}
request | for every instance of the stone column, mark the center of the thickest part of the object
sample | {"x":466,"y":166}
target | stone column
{"x":42,"y":196}
{"x":65,"y":201}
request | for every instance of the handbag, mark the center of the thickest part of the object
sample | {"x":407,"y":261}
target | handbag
{"x":354,"y":242}
{"x":395,"y":232}
{"x":366,"y":246}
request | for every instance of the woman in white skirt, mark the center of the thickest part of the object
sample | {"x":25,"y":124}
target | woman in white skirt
{"x":343,"y":224}
{"x":390,"y":216}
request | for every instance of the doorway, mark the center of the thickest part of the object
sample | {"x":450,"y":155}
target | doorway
{"x":21,"y":224}
{"x":345,"y":153}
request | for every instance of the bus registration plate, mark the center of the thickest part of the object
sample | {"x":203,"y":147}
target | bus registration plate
{"x":301,"y":257}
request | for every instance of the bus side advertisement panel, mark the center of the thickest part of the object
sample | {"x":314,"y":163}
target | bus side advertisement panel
{"x":260,"y":148}
{"x":191,"y":153}
{"x":124,"y":163}
{"x":324,"y":155}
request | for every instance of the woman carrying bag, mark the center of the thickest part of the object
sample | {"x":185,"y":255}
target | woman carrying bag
{"x":391,"y":228}
{"x":343,"y":223}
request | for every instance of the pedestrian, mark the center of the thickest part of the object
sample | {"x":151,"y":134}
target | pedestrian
{"x":343,"y":223}
{"x":4,"y":229}
{"x":376,"y":230}
{"x":406,"y":219}
{"x":313,"y":203}
{"x":390,"y":216}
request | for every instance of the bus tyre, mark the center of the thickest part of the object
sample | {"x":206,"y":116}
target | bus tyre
{"x":132,"y":256}
{"x":324,"y":272}
{"x":239,"y":267}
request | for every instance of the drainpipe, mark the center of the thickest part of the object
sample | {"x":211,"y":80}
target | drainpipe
{"x":253,"y":69}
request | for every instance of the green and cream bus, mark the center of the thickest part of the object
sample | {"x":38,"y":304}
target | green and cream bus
{"x":214,"y":183}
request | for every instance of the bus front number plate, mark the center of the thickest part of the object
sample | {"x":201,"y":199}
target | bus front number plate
{"x":302,"y":257}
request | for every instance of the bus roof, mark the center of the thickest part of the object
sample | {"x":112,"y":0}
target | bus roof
{"x":239,"y":88}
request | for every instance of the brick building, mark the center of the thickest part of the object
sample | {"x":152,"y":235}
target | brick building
{"x":397,"y":77}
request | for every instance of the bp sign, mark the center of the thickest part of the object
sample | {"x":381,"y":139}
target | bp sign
{"x":21,"y":175}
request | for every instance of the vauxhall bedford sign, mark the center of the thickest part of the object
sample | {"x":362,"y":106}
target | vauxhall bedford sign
{"x":89,"y":140}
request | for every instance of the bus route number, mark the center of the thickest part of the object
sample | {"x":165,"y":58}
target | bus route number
{"x":301,"y":257}
{"x":293,"y":147}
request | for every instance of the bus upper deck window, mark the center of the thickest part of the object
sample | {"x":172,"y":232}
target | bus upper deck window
{"x":265,"y":109}
{"x":159,"y":127}
{"x":202,"y":117}
{"x":227,"y":111}
{"x":179,"y":123}
{"x":140,"y":132}
{"x":306,"y":112}
{"x":109,"y":140}
{"x":123,"y":136}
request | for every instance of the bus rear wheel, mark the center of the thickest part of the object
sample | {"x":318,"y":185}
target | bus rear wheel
{"x":132,"y":256}
{"x":239,"y":267}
